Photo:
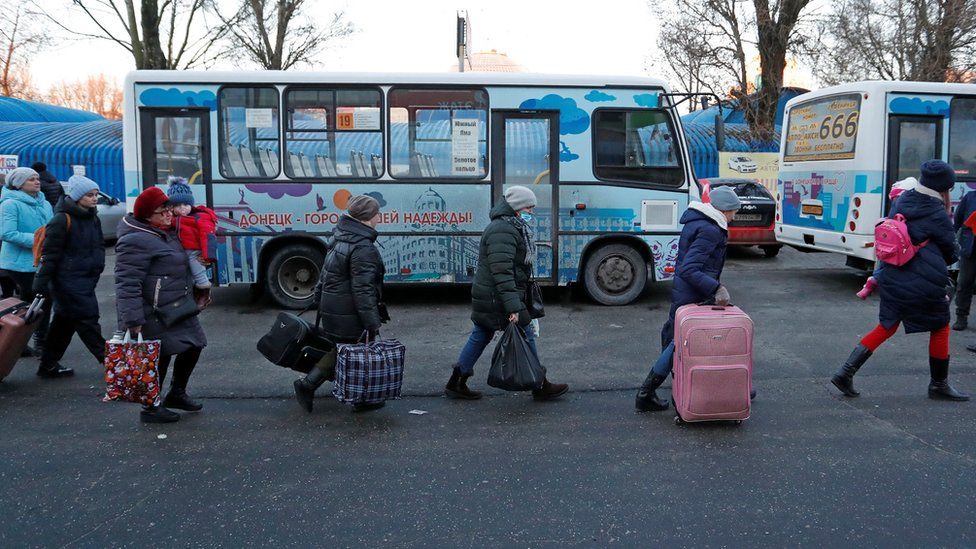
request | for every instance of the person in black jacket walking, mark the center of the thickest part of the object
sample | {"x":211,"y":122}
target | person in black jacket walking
{"x":349,"y":292}
{"x":72,"y":259}
{"x":152,"y":271}
{"x":964,"y":223}
{"x":498,"y":295}
{"x":915,"y":293}
{"x":50,"y":186}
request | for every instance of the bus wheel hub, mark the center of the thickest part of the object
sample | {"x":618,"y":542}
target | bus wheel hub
{"x":615,"y":274}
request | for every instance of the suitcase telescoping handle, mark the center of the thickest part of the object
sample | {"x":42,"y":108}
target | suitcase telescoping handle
{"x":34,"y":310}
{"x":715,"y":306}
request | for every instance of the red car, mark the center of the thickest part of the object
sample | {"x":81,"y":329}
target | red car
{"x":754,"y":223}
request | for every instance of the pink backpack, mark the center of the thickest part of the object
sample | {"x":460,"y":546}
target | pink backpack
{"x":892,"y":243}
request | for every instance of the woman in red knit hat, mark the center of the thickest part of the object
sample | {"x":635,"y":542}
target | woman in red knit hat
{"x":152,"y":272}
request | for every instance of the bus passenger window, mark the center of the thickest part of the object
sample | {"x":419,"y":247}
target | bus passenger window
{"x":635,"y":146}
{"x":962,"y":137}
{"x":333,"y":133}
{"x":438,"y":133}
{"x":249,"y":137}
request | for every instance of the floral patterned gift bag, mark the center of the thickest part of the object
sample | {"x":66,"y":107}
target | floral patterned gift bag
{"x":131,"y":370}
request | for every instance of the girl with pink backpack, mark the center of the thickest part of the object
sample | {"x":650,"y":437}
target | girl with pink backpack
{"x":914,"y":292}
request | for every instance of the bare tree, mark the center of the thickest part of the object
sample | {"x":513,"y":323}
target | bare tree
{"x":278,"y":35}
{"x":776,"y":33}
{"x":96,"y":93}
{"x":702,"y":44}
{"x":706,"y":45}
{"x":160,"y":34}
{"x":928,"y":40}
{"x":21,"y":37}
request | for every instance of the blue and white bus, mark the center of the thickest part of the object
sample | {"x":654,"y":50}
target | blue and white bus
{"x":278,"y":154}
{"x":843,"y":147}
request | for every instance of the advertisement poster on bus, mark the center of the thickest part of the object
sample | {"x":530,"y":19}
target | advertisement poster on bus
{"x":823,"y":130}
{"x":761,"y":167}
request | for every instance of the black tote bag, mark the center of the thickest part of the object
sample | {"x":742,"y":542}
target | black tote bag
{"x":533,"y":300}
{"x":514,"y":367}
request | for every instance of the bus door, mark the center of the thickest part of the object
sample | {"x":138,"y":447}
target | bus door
{"x":175,"y":142}
{"x":525,"y":151}
{"x":912,"y":140}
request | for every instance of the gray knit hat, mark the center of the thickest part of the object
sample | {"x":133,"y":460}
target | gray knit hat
{"x":79,"y":186}
{"x":724,"y":199}
{"x":18,"y":176}
{"x":519,"y":197}
{"x":363,"y":207}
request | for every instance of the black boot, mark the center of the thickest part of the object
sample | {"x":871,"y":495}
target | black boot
{"x":961,"y":323}
{"x":304,"y":394}
{"x":54,"y":370}
{"x":647,"y":400}
{"x":177,"y":398}
{"x":844,"y":378}
{"x":939,"y":388}
{"x":158,"y":414}
{"x":457,"y":387}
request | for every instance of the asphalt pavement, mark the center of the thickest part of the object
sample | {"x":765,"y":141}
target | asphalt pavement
{"x":889,"y":469}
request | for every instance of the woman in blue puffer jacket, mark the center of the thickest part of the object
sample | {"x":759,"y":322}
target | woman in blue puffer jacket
{"x":23,"y":210}
{"x":915,"y":293}
{"x":701,"y":257}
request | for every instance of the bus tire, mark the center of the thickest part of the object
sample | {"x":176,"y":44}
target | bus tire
{"x":615,"y":274}
{"x":772,"y":250}
{"x":292,"y":274}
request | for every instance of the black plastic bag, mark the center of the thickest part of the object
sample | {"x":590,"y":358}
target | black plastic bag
{"x":514,"y":367}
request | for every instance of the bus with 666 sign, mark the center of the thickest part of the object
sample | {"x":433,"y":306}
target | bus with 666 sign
{"x":843,"y":147}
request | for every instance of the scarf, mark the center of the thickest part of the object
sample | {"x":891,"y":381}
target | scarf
{"x":527,"y":238}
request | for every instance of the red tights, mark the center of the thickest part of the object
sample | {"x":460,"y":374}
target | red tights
{"x":938,"y":340}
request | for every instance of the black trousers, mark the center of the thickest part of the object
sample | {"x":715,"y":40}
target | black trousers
{"x":59,"y":336}
{"x":25,"y":289}
{"x":964,"y":285}
{"x":182,"y":367}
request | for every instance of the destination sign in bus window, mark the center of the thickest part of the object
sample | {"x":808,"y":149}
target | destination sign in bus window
{"x":823,"y":129}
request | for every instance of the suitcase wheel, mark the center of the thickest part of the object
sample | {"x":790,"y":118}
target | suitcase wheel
{"x":678,"y":420}
{"x":737,"y":422}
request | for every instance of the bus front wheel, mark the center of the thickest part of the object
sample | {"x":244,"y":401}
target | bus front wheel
{"x":615,"y":274}
{"x":292,"y":274}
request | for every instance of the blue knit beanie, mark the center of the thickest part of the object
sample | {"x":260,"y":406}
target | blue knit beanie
{"x":179,"y":192}
{"x":937,"y":175}
{"x":79,"y":186}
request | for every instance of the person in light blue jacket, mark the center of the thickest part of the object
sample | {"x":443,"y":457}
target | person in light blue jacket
{"x":23,"y":210}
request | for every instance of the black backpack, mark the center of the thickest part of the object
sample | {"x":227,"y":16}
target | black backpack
{"x":294,"y":343}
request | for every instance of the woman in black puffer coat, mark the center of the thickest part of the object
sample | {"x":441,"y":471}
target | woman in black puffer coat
{"x":349,"y":292}
{"x":152,"y":269}
{"x":915,"y":293}
{"x":498,"y":295}
{"x":72,"y":260}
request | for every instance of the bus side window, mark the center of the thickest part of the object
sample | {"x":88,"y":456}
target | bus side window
{"x":328,"y":130}
{"x":962,"y":137}
{"x":438,"y":133}
{"x":248,"y":130}
{"x":635,"y":145}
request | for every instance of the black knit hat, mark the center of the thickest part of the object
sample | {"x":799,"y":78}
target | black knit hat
{"x":937,"y":175}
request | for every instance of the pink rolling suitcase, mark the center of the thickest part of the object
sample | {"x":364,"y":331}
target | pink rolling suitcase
{"x":712,"y":363}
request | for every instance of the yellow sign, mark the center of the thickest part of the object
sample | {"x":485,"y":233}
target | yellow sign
{"x":761,"y":167}
{"x":823,"y":129}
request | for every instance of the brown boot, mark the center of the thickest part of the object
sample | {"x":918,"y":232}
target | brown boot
{"x":202,"y":297}
{"x":550,"y":391}
{"x":457,"y":387}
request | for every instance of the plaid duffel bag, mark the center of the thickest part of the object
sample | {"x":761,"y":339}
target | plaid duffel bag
{"x":369,"y":372}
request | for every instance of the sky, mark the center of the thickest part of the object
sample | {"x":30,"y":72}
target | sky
{"x":549,"y":36}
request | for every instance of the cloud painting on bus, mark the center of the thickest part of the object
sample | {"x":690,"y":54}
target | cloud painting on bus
{"x":919,"y":105}
{"x":184,"y":96}
{"x":597,"y":96}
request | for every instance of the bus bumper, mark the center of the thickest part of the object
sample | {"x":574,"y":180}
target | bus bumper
{"x":856,"y":245}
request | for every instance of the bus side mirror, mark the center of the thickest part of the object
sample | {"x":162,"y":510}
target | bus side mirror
{"x":719,"y":133}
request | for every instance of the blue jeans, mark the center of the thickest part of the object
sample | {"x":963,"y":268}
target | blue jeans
{"x":477,"y":342}
{"x":665,"y":362}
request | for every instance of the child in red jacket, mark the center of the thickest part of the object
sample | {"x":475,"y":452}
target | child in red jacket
{"x":195,"y":225}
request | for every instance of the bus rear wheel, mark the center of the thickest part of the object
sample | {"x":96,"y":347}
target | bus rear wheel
{"x":772,"y":250}
{"x":292,"y":274}
{"x":615,"y":274}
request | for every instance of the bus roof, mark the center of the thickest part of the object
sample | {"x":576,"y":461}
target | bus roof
{"x":467,"y":78}
{"x":886,"y":86}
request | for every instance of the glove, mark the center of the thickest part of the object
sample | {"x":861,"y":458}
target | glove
{"x":722,"y":297}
